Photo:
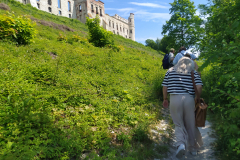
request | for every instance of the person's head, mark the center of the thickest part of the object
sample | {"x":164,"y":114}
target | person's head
{"x":182,"y":49}
{"x":187,"y":55}
{"x":172,"y":50}
{"x":184,"y":66}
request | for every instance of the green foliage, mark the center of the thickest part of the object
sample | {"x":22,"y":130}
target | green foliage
{"x":184,"y":27}
{"x":160,"y":45}
{"x":19,"y":29}
{"x":61,"y":96}
{"x":97,"y":35}
{"x":220,"y":47}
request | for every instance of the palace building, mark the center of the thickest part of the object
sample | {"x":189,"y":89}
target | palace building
{"x":80,"y":9}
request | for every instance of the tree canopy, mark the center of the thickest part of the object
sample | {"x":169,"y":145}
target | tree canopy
{"x":184,"y":26}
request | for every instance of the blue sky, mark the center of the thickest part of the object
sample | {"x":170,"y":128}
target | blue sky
{"x":150,"y":15}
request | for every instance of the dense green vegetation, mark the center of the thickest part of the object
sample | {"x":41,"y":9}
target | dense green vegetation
{"x":220,"y":49}
{"x":161,"y":45}
{"x":62,"y":97}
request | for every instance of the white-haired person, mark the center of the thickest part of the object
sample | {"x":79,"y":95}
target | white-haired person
{"x":178,"y":83}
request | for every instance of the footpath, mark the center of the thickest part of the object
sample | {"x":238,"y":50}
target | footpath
{"x":205,"y":153}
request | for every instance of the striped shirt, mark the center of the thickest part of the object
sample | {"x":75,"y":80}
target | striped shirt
{"x":180,"y":83}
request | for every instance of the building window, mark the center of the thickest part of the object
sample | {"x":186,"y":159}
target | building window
{"x":80,"y":8}
{"x":113,"y":25}
{"x":100,"y":12}
{"x":69,"y":6}
{"x":60,"y":12}
{"x":92,"y":8}
{"x":59,"y":3}
{"x":130,"y":20}
{"x":109,"y":23}
{"x":80,"y":17}
{"x":96,"y":10}
{"x":38,"y":5}
{"x":117,"y":27}
{"x":49,"y":2}
{"x":69,"y":15}
{"x":130,"y":31}
{"x":121,"y":29}
{"x":49,"y":9}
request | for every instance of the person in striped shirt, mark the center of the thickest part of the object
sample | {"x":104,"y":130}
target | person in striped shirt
{"x":178,"y":83}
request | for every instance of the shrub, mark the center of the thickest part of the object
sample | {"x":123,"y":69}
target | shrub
{"x":18,"y":29}
{"x":97,"y":35}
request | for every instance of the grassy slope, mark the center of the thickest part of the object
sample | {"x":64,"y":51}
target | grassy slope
{"x":63,"y":107}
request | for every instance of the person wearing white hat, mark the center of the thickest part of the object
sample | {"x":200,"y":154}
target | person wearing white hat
{"x":178,"y":83}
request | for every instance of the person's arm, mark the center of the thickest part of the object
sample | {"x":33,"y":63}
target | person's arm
{"x":165,"y":93}
{"x":199,"y":89}
{"x":165,"y":99}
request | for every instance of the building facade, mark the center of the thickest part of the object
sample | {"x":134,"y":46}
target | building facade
{"x":80,"y":9}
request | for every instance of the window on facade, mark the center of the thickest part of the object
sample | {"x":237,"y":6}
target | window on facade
{"x":69,"y":6}
{"x":60,"y":12}
{"x":59,"y":3}
{"x":130,"y":31}
{"x":109,"y":23}
{"x":130,"y":20}
{"x":126,"y":36}
{"x":80,"y":17}
{"x":49,"y":9}
{"x":38,"y":5}
{"x":113,"y":25}
{"x":49,"y":2}
{"x":121,"y":29}
{"x":117,"y":27}
{"x":92,"y":8}
{"x":24,"y":1}
{"x":114,"y":32}
{"x":96,"y":10}
{"x":80,"y":8}
{"x":69,"y":15}
{"x":100,"y":12}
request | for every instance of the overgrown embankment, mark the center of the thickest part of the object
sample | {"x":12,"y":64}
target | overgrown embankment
{"x":61,"y":99}
{"x":220,"y":49}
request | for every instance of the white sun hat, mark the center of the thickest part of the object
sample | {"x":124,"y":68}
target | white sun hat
{"x":184,"y":66}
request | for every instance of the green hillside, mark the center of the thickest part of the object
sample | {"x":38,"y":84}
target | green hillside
{"x":60,"y":100}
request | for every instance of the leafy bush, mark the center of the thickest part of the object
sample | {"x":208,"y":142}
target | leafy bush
{"x":97,"y":35}
{"x":19,"y":29}
{"x":220,"y":49}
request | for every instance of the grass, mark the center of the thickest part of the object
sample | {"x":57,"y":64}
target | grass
{"x":63,"y":100}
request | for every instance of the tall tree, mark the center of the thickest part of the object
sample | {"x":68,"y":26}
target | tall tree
{"x":184,"y":26}
{"x":151,"y":43}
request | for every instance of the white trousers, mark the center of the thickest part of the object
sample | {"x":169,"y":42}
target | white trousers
{"x":182,"y":108}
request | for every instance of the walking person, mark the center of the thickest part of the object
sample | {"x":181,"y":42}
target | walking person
{"x":171,"y":57}
{"x":178,"y":83}
{"x":181,"y":53}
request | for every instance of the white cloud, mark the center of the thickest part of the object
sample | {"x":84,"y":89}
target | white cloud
{"x":152,"y":5}
{"x":147,"y":16}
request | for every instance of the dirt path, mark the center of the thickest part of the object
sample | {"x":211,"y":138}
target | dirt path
{"x":205,"y":153}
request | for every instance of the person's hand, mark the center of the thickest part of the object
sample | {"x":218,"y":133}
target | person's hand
{"x":197,"y":100}
{"x":165,"y":103}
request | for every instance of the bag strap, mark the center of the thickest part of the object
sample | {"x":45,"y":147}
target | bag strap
{"x":194,"y":86}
